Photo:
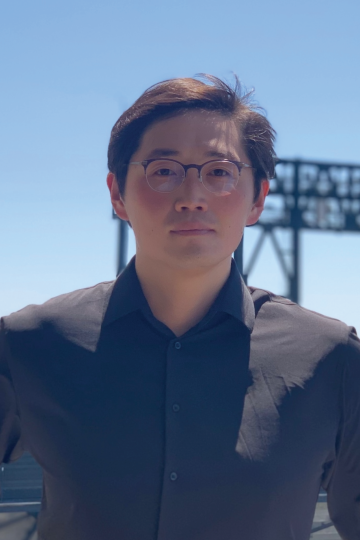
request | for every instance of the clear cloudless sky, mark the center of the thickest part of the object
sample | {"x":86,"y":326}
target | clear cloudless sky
{"x":70,"y":68}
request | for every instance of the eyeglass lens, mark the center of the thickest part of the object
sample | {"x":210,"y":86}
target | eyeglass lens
{"x":218,"y":177}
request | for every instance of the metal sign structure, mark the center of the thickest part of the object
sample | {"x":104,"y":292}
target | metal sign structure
{"x":307,"y":195}
{"x":304,"y":195}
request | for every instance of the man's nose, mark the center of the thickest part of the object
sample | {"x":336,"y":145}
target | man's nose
{"x":192,"y":194}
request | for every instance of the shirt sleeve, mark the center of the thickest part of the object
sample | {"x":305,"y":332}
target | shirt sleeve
{"x":10,"y":442}
{"x":344,"y":485}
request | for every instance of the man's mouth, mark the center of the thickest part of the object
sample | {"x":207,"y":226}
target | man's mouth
{"x":192,"y":228}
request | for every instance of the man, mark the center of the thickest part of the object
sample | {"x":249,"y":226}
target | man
{"x":175,"y":403}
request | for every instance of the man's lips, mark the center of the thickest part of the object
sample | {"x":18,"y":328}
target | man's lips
{"x":189,"y":229}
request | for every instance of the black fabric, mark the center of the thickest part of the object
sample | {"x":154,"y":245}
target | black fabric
{"x":226,"y":433}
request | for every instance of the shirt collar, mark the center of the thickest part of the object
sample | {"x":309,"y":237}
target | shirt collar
{"x":235,"y":299}
{"x":126,"y":296}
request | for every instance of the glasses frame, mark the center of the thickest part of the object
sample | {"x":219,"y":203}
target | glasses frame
{"x":146,"y":162}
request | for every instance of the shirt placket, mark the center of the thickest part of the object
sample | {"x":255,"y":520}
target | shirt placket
{"x":175,"y":407}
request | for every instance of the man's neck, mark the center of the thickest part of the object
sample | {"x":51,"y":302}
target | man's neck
{"x":180,"y":298}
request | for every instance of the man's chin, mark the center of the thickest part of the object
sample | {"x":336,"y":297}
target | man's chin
{"x":193,"y":257}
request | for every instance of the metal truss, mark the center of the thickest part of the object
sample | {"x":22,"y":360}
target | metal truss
{"x":306,"y":195}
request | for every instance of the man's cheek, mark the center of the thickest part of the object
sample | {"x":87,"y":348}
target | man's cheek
{"x":151,"y":201}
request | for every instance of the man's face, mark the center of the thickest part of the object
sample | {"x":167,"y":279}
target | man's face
{"x":161,"y":221}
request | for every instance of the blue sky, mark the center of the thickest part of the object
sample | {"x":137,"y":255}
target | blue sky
{"x":70,"y":68}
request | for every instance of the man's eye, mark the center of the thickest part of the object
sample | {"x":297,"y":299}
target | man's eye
{"x":219,"y":172}
{"x":164,"y":172}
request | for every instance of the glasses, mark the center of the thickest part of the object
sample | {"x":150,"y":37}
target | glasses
{"x":166,"y":175}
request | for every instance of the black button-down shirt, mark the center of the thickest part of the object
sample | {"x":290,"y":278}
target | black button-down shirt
{"x":224,"y":433}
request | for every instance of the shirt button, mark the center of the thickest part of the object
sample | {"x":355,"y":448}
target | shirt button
{"x":173,"y":476}
{"x":176,"y":407}
{"x":177,"y":345}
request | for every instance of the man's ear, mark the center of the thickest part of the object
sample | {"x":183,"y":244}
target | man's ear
{"x":116,"y":199}
{"x":258,"y":205}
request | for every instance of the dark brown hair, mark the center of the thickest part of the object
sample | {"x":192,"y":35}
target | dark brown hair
{"x":175,"y":96}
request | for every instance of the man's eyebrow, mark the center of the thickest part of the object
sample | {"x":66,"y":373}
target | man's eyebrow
{"x":162,"y":152}
{"x":222,"y":155}
{"x":167,"y":152}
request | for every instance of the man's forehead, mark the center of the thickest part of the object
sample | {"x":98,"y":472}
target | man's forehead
{"x":215,"y":135}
